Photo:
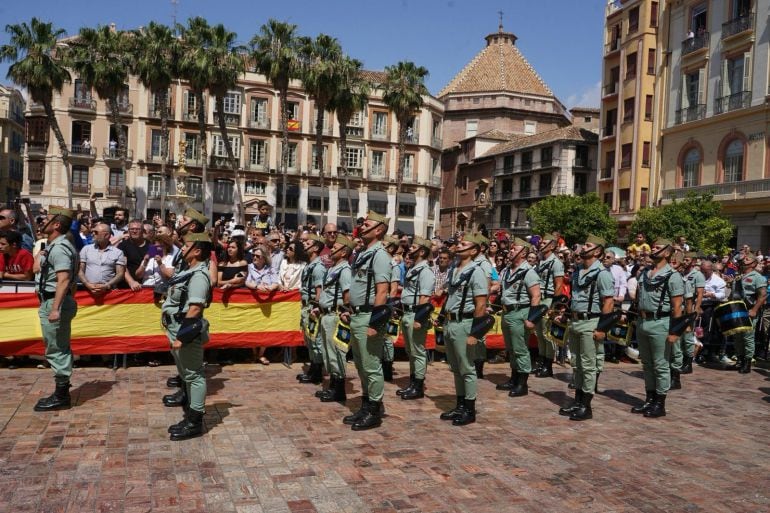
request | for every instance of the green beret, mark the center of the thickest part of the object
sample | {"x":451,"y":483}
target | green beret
{"x":390,"y":240}
{"x":196,"y":216}
{"x":476,"y":238}
{"x":346,"y":241}
{"x":748,"y":259}
{"x":197,"y":237}
{"x":597,"y":241}
{"x":419,"y":241}
{"x":374,"y":216}
{"x":691,"y":254}
{"x":55,"y":210}
{"x":521,"y":242}
{"x":662,"y":242}
{"x":553,"y":237}
{"x":316,"y":238}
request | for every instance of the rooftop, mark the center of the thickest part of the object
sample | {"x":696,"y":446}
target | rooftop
{"x":568,"y":133}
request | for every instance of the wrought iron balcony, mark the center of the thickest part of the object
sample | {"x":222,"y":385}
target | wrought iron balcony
{"x":612,"y":46}
{"x":693,"y":44}
{"x":263,"y":123}
{"x":82,"y":103}
{"x":192,"y":116}
{"x":380,"y":136}
{"x":437,"y":142}
{"x":82,"y":151}
{"x":610,"y":89}
{"x":125,"y":108}
{"x":36,"y":187}
{"x":221,"y":162}
{"x":413,"y":138}
{"x":81,"y":188}
{"x":354,"y":132}
{"x":37,"y":148}
{"x":723,"y":191}
{"x":353,"y":172}
{"x":691,"y":113}
{"x":608,"y":131}
{"x":114,"y":154}
{"x":435,"y":180}
{"x":607,"y":172}
{"x":255,"y":166}
{"x":377,"y":173}
{"x":732,"y":102}
{"x":582,"y":163}
{"x":158,"y":159}
{"x":737,"y":25}
{"x":230,"y":119}
{"x":115,"y":191}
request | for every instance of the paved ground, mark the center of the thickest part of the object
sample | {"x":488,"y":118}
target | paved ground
{"x":272,"y":447}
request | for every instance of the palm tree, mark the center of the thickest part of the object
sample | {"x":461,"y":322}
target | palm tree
{"x":39,"y":68}
{"x":156,"y":51}
{"x":102,"y":59}
{"x":227,"y":64}
{"x":351,"y":97}
{"x":195,"y":67}
{"x":321,"y":58}
{"x":403,"y":90}
{"x":275,"y":55}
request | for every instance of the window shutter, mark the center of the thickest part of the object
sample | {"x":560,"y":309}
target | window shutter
{"x":702,"y":86}
{"x":684,"y":97}
{"x":747,"y":71}
{"x":725,"y":79}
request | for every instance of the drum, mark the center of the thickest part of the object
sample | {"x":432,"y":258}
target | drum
{"x":438,"y":330}
{"x":342,"y":335}
{"x":311,"y":328}
{"x":622,"y":333}
{"x":733,"y":317}
{"x":392,"y":327}
{"x":556,"y":332}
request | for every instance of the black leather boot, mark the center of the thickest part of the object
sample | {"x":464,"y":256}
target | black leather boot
{"x":178,"y":398}
{"x":584,"y":410}
{"x":337,"y":392}
{"x":372,"y":417}
{"x":314,"y":374}
{"x":416,"y":392}
{"x":658,"y":408}
{"x":510,"y":384}
{"x":686,"y":365}
{"x":676,"y":380}
{"x":546,"y":371}
{"x":746,"y":367}
{"x":387,"y":371}
{"x":538,"y":365}
{"x":192,"y":427}
{"x":456,"y":411}
{"x":521,"y":388}
{"x":409,"y":386}
{"x":648,"y":400}
{"x":569,"y":410}
{"x":303,"y":375}
{"x":176,"y":427}
{"x":59,"y":400}
{"x":467,"y":415}
{"x":327,"y":390}
{"x":174,"y":381}
{"x":479,"y":364}
{"x":355,"y":417}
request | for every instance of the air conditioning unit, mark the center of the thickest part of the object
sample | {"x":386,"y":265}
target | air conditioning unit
{"x":273,"y":171}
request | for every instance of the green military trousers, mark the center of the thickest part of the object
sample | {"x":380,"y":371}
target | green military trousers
{"x":461,"y":356}
{"x":367,"y":355}
{"x":545,"y":348}
{"x":581,"y":334}
{"x":414,"y":343}
{"x":388,"y":349}
{"x":677,"y":354}
{"x":744,"y":342}
{"x":314,"y":345}
{"x":334,"y":357}
{"x":189,"y":360}
{"x":56,"y":336}
{"x":655,"y":353}
{"x":515,"y":337}
{"x":688,"y":343}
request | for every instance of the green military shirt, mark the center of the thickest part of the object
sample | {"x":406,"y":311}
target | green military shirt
{"x":695,"y":280}
{"x":477,"y":281}
{"x":395,"y":271}
{"x":60,"y":256}
{"x":419,"y":281}
{"x":689,"y":291}
{"x":749,"y":285}
{"x":312,"y":277}
{"x":188,"y":288}
{"x":596,"y":277}
{"x":336,"y":282}
{"x":651,"y":289}
{"x":549,"y":269}
{"x":372,"y":266}
{"x":515,"y":284}
{"x":485,"y":264}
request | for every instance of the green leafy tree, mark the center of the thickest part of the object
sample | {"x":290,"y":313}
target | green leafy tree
{"x":37,"y":66}
{"x":574,"y":217}
{"x":698,"y":218}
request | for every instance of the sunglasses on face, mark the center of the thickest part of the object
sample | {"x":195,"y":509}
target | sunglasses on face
{"x":331,"y":233}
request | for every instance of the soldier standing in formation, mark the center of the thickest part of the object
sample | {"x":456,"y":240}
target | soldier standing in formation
{"x":752,"y":289}
{"x":551,"y":272}
{"x":493,"y":284}
{"x":391,"y":244}
{"x":696,"y":282}
{"x":310,"y":292}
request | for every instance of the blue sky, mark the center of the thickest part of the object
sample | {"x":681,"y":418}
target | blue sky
{"x":562,"y":39}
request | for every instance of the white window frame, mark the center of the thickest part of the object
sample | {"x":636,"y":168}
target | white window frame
{"x":408,"y":166}
{"x":690,"y":168}
{"x":232,"y":103}
{"x":380,"y":123}
{"x":354,"y":157}
{"x":471,"y":128}
{"x":292,"y":109}
{"x":378,"y":168}
{"x":258,"y":111}
{"x":219,"y":146}
{"x":733,"y":164}
{"x":313,"y":159}
{"x":257,"y":156}
{"x":357,"y":119}
{"x":221,"y":187}
{"x":195,"y":188}
{"x":254,"y":188}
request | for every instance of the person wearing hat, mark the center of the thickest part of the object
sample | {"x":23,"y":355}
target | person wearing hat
{"x":659,"y":326}
{"x":465,"y":314}
{"x":752,"y":289}
{"x":335,"y":294}
{"x":520,"y":289}
{"x":188,"y":295}
{"x":551,"y":272}
{"x":310,"y":292}
{"x":56,"y":269}
{"x":419,"y":284}
{"x":493,"y":280}
{"x":593,"y":289}
{"x":391,"y":245}
{"x":677,"y":354}
{"x":368,"y":314}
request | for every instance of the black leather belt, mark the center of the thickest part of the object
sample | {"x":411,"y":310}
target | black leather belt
{"x":326,"y":311}
{"x":459,"y":317}
{"x":514,"y":308}
{"x":45,"y":296}
{"x":584,"y":316}
{"x":653,"y":315}
{"x":362,"y":309}
{"x":408,"y":308}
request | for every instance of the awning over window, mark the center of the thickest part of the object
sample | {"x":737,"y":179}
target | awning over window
{"x":407,"y":198}
{"x":315,"y":192}
{"x":377,"y":196}
{"x":405,"y":226}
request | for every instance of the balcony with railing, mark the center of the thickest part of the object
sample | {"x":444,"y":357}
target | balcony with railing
{"x":230,"y":119}
{"x":154,"y":110}
{"x":607,"y":173}
{"x":354,"y":132}
{"x":695,"y":43}
{"x":83,"y":103}
{"x":742,"y":190}
{"x":39,"y":107}
{"x":36,"y":148}
{"x":81,"y":188}
{"x":36,"y":187}
{"x":732,"y":102}
{"x":437,"y":142}
{"x":255,"y":166}
{"x":528,"y":194}
{"x":527,"y":166}
{"x":125,"y":108}
{"x":192,"y":116}
{"x":691,"y":113}
{"x":79,"y":150}
{"x":608,"y":131}
{"x":582,"y":163}
{"x":221,"y":162}
{"x":612,"y":46}
{"x":435,"y":180}
{"x":113,"y":154}
{"x":737,"y":26}
{"x":610,"y":89}
{"x":263,"y":123}
{"x":115,"y":191}
{"x":378,"y":174}
{"x":156,"y":158}
{"x":380,"y":135}
{"x":353,"y":172}
{"x":412,"y":138}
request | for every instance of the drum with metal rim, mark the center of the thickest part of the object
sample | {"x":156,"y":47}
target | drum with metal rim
{"x":733,"y":317}
{"x":556,"y":332}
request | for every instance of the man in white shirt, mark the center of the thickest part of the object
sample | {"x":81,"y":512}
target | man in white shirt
{"x":713,"y":295}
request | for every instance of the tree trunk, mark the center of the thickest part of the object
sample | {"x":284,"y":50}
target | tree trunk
{"x":203,"y":152}
{"x":220,"y":100}
{"x":344,"y":162}
{"x":65,"y":154}
{"x":163,"y":150}
{"x":284,"y":153}
{"x":319,"y":126}
{"x":400,"y":169}
{"x":115,"y":111}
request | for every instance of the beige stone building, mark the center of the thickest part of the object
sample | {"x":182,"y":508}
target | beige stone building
{"x":11,"y":144}
{"x":252,"y":114}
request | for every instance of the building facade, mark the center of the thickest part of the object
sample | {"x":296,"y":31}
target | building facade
{"x":626,"y":145}
{"x":252,"y":115}
{"x":716,"y":119}
{"x":11,"y":144}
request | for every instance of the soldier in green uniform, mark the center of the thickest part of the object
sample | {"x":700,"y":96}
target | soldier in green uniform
{"x":391,"y":243}
{"x":415,"y":301}
{"x":593,"y":288}
{"x":551,"y":272}
{"x":55,"y":274}
{"x":465,"y":313}
{"x":494,"y":286}
{"x":659,"y":326}
{"x":697,"y":284}
{"x":677,"y":355}
{"x":752,"y":289}
{"x":368,"y":315}
{"x":182,"y":315}
{"x":310,"y":291}
{"x":519,"y":289}
{"x":335,"y":294}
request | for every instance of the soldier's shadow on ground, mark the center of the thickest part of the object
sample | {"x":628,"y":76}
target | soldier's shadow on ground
{"x":766,"y":391}
{"x":91,"y":390}
{"x":557,"y":398}
{"x":622,"y":396}
{"x":216,"y":414}
{"x":443,"y":402}
{"x":214,"y":384}
{"x":496,"y":378}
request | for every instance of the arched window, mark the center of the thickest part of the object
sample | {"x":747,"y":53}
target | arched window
{"x":691,"y":168}
{"x":733,"y":161}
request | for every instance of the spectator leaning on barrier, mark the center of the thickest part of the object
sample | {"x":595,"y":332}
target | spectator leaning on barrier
{"x":290,"y":273}
{"x":274,"y":242}
{"x":15,"y":261}
{"x":135,"y":249}
{"x":102,"y":266}
{"x":158,"y":264}
{"x":232,"y":270}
